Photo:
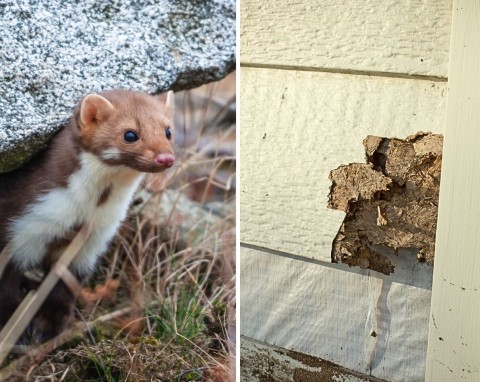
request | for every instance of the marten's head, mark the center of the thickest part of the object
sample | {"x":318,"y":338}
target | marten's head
{"x":126,"y":128}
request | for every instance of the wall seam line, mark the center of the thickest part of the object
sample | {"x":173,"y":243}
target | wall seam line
{"x":291,"y":256}
{"x":344,"y":71}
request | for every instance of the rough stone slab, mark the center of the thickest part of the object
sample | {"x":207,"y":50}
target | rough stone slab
{"x":391,"y":203}
{"x":54,"y":52}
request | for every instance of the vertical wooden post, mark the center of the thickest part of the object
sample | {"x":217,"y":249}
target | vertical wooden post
{"x":454,"y":333}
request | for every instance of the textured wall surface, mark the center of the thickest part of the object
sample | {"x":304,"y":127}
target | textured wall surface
{"x":54,"y":53}
{"x":297,"y":127}
{"x":405,"y":37}
{"x":331,"y":312}
{"x":317,"y":77}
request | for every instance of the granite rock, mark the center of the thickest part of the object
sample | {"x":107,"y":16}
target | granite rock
{"x":54,"y":52}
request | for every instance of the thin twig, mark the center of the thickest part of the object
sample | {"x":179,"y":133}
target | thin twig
{"x":30,"y":305}
{"x":4,"y":259}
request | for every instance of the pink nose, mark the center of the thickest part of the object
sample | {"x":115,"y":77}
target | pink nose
{"x":165,"y":159}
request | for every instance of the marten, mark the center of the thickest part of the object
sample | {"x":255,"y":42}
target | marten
{"x":87,"y":174}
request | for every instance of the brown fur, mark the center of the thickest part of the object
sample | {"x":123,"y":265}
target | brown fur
{"x":96,"y":126}
{"x":51,"y":168}
{"x":132,"y":111}
{"x":42,"y":173}
{"x":104,"y":196}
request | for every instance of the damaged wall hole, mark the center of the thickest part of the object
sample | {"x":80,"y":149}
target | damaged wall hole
{"x":391,"y":202}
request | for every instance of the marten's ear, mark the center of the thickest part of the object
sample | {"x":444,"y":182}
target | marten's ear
{"x":94,"y":108}
{"x":169,"y":100}
{"x":170,"y":103}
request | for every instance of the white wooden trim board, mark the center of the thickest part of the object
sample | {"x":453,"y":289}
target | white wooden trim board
{"x":454,"y":337}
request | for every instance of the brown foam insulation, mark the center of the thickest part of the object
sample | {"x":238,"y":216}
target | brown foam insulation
{"x":391,"y":202}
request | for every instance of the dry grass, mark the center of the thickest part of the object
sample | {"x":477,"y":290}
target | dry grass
{"x":165,"y":293}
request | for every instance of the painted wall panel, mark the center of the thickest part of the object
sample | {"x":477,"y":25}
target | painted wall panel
{"x":367,"y":322}
{"x":296,"y":127}
{"x":396,"y":36}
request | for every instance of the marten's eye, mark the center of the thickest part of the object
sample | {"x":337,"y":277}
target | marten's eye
{"x":168,"y":133}
{"x":130,"y":136}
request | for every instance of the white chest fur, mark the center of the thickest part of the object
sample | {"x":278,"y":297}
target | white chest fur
{"x":54,"y":214}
